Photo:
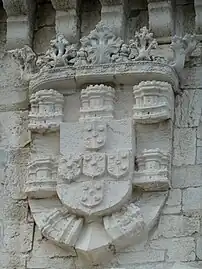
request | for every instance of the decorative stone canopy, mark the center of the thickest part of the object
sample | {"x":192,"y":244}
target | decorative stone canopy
{"x":84,"y":194}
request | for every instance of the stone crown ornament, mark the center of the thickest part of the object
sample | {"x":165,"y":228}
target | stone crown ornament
{"x":101,"y":47}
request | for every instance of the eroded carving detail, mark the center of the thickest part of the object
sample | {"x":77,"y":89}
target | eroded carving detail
{"x":62,"y":227}
{"x":143,"y":44}
{"x":46,"y":111}
{"x":70,"y":168}
{"x":118,"y":164}
{"x":101,"y":44}
{"x":26,"y":59}
{"x":41,"y":182}
{"x":94,"y":164}
{"x":124,"y":225}
{"x":97,"y":101}
{"x":154,"y":102}
{"x":95,"y":135}
{"x":92,"y":193}
{"x":182,"y":48}
{"x":152,"y":173}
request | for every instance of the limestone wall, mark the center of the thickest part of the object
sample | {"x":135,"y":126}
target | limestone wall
{"x":177,"y":236}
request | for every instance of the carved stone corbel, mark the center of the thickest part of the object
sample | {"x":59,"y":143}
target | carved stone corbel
{"x":161,"y":19}
{"x":19,"y":22}
{"x":113,"y":14}
{"x":198,"y":17}
{"x":67,"y":19}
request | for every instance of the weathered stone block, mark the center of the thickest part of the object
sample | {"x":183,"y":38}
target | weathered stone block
{"x":188,"y":108}
{"x":184,"y":146}
{"x":43,"y":248}
{"x":182,"y":249}
{"x":177,"y":226}
{"x":50,"y":263}
{"x":146,"y":256}
{"x":199,"y":248}
{"x":192,"y":200}
{"x":42,"y":39}
{"x":18,"y":237}
{"x":186,"y":176}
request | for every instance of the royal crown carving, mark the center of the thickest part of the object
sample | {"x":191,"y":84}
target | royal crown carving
{"x":103,"y":48}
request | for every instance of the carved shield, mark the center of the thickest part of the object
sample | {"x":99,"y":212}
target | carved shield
{"x":95,"y":135}
{"x":92,"y":193}
{"x":94,"y":164}
{"x":118,"y":164}
{"x":69,"y":168}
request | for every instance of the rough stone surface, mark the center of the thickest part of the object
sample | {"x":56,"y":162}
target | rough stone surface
{"x":174,"y":202}
{"x":177,"y":226}
{"x":184,"y":146}
{"x":182,"y":249}
{"x":192,"y":200}
{"x":186,"y":176}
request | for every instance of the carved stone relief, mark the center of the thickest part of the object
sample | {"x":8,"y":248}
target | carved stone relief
{"x":153,"y":170}
{"x":92,"y":182}
{"x":104,"y":51}
{"x":46,"y":111}
{"x":154,"y":102}
{"x":97,"y":101}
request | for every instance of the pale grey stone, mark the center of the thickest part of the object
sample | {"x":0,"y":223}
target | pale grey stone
{"x":42,"y":39}
{"x":174,"y":203}
{"x":17,"y":237}
{"x":199,"y":248}
{"x":184,"y":146}
{"x":182,"y":249}
{"x":49,"y":263}
{"x":187,"y":176}
{"x":146,"y":256}
{"x":192,"y":200}
{"x":12,"y":260}
{"x":192,"y":78}
{"x":176,"y":226}
{"x":188,"y":108}
{"x":174,"y":198}
{"x":199,"y":155}
{"x":160,"y":134}
{"x":43,"y":248}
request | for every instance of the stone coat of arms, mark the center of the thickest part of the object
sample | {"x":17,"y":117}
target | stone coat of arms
{"x":80,"y":187}
{"x":98,"y":181}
